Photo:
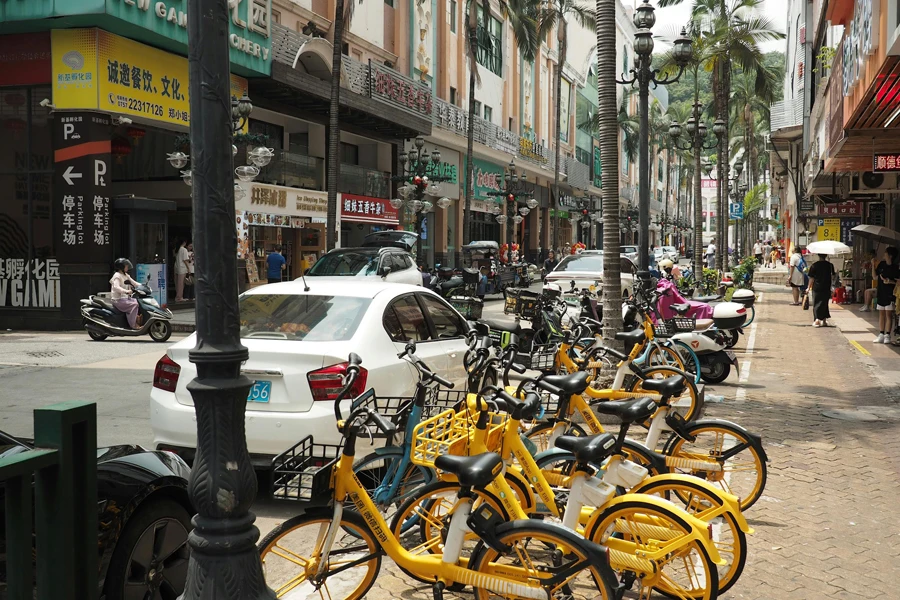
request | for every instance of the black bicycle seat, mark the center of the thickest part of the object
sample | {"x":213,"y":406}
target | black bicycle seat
{"x":472,"y":471}
{"x":508,"y":326}
{"x":574,"y":383}
{"x":668,"y":387}
{"x":628,"y":411}
{"x":681,"y":308}
{"x":631,"y":338}
{"x":590,"y":449}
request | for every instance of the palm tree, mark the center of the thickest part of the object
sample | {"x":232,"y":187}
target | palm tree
{"x":522,"y":16}
{"x":608,"y":124}
{"x":343,"y":13}
{"x":556,"y":14}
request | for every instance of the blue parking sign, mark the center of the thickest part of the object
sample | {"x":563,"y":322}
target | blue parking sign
{"x":735,"y":210}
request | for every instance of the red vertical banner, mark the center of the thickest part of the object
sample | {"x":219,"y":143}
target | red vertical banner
{"x":25,"y":59}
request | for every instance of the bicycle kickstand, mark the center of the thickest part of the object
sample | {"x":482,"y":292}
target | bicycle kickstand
{"x":437,"y":590}
{"x":625,"y":583}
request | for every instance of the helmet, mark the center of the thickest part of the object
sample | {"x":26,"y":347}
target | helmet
{"x":666,"y":264}
{"x":121,"y":263}
{"x":552,"y":290}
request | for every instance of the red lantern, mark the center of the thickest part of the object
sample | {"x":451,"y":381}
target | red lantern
{"x":417,"y":180}
{"x":136,"y":134}
{"x":511,"y":197}
{"x":120,"y":148}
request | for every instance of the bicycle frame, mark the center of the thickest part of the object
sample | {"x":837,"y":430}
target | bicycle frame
{"x":393,"y":478}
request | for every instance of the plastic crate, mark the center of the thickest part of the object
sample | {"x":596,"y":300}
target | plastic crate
{"x":470,"y":308}
{"x":395,"y":409}
{"x":302,"y":473}
{"x":681,"y":324}
{"x":543,"y":357}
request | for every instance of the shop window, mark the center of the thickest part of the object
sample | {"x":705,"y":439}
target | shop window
{"x":453,"y":98}
{"x":488,"y":113}
{"x":349,"y":154}
{"x":453,"y":11}
{"x":477,"y":108}
{"x":276,"y":16}
{"x":490,"y":43}
{"x":274,"y":133}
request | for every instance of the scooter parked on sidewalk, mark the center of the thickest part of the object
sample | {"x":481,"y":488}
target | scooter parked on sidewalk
{"x":102,"y":320}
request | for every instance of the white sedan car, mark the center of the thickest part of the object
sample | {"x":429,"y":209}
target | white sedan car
{"x":299,"y":343}
{"x":586,"y":270}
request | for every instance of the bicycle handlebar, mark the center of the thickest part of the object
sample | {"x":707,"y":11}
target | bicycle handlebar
{"x":427,"y":375}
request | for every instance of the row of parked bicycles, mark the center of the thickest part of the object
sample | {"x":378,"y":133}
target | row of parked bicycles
{"x":515,"y":489}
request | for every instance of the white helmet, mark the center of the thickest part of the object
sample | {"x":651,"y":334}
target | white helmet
{"x":666,"y":264}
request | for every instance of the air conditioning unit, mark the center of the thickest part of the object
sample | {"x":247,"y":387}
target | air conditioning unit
{"x":875,"y":183}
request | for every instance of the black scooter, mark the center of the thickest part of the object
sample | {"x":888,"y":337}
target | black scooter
{"x":101,"y":319}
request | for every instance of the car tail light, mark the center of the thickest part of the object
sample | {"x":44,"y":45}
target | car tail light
{"x":326,"y":383}
{"x":165,"y":376}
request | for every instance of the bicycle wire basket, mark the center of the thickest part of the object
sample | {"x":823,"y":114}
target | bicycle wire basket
{"x":395,"y":409}
{"x":450,"y":432}
{"x":680,"y":325}
{"x":302,"y":473}
{"x":543,"y":357}
{"x":443,"y":400}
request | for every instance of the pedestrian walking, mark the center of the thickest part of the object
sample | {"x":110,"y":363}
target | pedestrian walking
{"x":868,"y":268}
{"x":821,"y":274}
{"x":481,"y":289}
{"x":711,"y":254}
{"x":121,"y":295}
{"x":550,"y":263}
{"x":189,"y":281}
{"x":758,"y":252}
{"x":275,"y":265}
{"x":888,"y":274}
{"x":797,"y":275}
{"x":182,"y":257}
{"x":767,"y":252}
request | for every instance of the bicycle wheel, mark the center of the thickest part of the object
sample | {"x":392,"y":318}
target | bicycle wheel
{"x":690,"y":359}
{"x":377,"y":473}
{"x":537,"y":552}
{"x":635,"y":528}
{"x":291,"y":554}
{"x":663,"y":356}
{"x":728,"y":538}
{"x":743,"y":471}
{"x":690,"y":412}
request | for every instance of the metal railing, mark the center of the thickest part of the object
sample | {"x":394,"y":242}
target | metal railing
{"x":364,"y":182}
{"x":54,"y":489}
{"x":294,"y":170}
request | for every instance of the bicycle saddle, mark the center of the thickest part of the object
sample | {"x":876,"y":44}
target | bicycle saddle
{"x":631,"y":338}
{"x":574,"y":383}
{"x":590,"y":449}
{"x":508,"y":326}
{"x":668,"y":387}
{"x":472,"y":471}
{"x":680,"y":308}
{"x":628,"y":411}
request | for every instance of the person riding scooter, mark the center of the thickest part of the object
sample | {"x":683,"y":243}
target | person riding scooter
{"x":121,"y":296}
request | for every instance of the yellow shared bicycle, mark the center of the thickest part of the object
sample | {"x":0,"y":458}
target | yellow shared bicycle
{"x":335,"y":552}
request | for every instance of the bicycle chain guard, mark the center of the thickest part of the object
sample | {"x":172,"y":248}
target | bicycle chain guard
{"x":483,"y":521}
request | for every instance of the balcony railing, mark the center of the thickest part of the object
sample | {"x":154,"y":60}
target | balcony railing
{"x":364,"y":182}
{"x":294,"y":170}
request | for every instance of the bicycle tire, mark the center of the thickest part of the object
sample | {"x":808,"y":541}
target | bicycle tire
{"x":678,"y":447}
{"x":690,"y":358}
{"x":427,"y":476}
{"x":350,"y":521}
{"x":697,"y":402}
{"x":556,"y":544}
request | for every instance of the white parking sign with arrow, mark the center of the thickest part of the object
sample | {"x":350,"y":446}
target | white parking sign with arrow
{"x":69,"y":175}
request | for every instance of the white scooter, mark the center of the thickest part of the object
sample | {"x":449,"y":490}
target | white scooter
{"x":709,"y":341}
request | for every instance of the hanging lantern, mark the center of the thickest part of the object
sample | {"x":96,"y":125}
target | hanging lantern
{"x":396,"y":203}
{"x":416,"y":205}
{"x":524,"y":211}
{"x":444,"y":202}
{"x":518,"y":219}
{"x":511,"y":197}
{"x":246,"y":172}
{"x":433,"y":190}
{"x":427,"y":206}
{"x":501,"y":219}
{"x":532,"y":203}
{"x":239,"y":193}
{"x":136,"y":134}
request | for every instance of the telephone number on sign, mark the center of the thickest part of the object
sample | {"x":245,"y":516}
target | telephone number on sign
{"x":136,"y":105}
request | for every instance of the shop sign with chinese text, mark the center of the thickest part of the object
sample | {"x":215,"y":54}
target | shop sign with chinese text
{"x":488,"y":177}
{"x":81,"y":142}
{"x":829,"y":229}
{"x":280,"y":200}
{"x":860,"y":41}
{"x":25,"y":284}
{"x":363,"y":209}
{"x":886,"y":163}
{"x":847,"y":226}
{"x":396,"y":89}
{"x":95,"y":69}
{"x":841,"y":209}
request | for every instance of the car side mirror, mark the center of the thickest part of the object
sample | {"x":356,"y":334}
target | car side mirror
{"x":306,"y":271}
{"x":385,"y":271}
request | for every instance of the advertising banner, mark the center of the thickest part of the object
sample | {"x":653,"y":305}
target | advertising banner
{"x":829,"y":229}
{"x":488,"y":177}
{"x":155,"y":276}
{"x":95,"y":69}
{"x":363,"y":209}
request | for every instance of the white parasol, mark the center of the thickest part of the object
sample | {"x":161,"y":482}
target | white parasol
{"x":828,"y":247}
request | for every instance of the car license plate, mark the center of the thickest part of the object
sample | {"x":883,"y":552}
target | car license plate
{"x":731,"y":355}
{"x":260,"y":391}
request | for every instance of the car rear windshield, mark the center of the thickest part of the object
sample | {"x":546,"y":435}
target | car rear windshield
{"x":301,"y":317}
{"x":585,"y":262}
{"x":350,"y":263}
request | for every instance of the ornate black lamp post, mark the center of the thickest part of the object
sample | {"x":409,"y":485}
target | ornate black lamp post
{"x":420,"y":176}
{"x":697,"y":142}
{"x":514,"y":190}
{"x":732,"y":180}
{"x":644,"y":75}
{"x":224,"y":562}
{"x":628,"y":220}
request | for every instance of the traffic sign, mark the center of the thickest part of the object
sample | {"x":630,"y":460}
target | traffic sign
{"x":829,"y":229}
{"x":735,"y":210}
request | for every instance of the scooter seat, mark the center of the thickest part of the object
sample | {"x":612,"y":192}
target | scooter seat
{"x":104,"y":302}
{"x":668,"y":387}
{"x":708,"y":299}
{"x":631,"y":338}
{"x":507,"y":326}
{"x":571,"y":384}
{"x":628,"y":411}
{"x":703,"y":324}
{"x":590,"y":449}
{"x":472,"y":471}
{"x":680,"y":308}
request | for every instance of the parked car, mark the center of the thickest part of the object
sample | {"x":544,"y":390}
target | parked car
{"x":299,"y":342}
{"x":388,"y":263}
{"x":672,"y":253}
{"x":144,"y":516}
{"x":630,"y":252}
{"x":586,"y":269}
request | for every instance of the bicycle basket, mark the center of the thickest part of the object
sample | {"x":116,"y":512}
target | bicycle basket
{"x":302,"y":473}
{"x":443,"y":400}
{"x":395,"y":410}
{"x":450,"y":432}
{"x":543,"y":357}
{"x":681,"y":324}
{"x":522,"y":303}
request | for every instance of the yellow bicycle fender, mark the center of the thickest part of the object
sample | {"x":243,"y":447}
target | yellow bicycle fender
{"x":731,"y":502}
{"x":523,"y":486}
{"x":699,"y":528}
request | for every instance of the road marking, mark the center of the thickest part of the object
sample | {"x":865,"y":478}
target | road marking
{"x":860,"y":348}
{"x":741,"y":393}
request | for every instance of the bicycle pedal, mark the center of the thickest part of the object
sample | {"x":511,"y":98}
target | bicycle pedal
{"x":626,"y":582}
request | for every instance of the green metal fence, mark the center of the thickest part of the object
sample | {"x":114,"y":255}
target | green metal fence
{"x":51,"y":507}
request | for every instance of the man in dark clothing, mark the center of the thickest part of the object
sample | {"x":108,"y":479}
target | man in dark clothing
{"x":275,"y":265}
{"x":550,"y":263}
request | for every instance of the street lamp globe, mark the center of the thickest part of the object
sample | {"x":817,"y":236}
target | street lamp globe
{"x":586,"y":223}
{"x":684,"y":49}
{"x":420,"y":142}
{"x":691,"y":126}
{"x":444,"y":202}
{"x":702,"y":130}
{"x":433,"y":190}
{"x":719,"y":128}
{"x":244,"y":106}
{"x":179,"y":160}
{"x":187,"y":177}
{"x":524,"y":211}
{"x":643,"y":42}
{"x":501,"y":219}
{"x":246,"y":172}
{"x":239,"y":193}
{"x":413,"y":156}
{"x":674,"y":130}
{"x":436,"y":156}
{"x":427,"y":206}
{"x":531,"y":203}
{"x":261,"y":156}
{"x":518,"y":219}
{"x":416,"y":205}
{"x":403,"y":158}
{"x":738,"y":168}
{"x":396,"y":203}
{"x":644,"y":16}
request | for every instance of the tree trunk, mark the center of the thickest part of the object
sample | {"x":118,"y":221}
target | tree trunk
{"x":472,"y":31}
{"x":609,"y":155}
{"x":561,"y":38}
{"x":334,"y":127}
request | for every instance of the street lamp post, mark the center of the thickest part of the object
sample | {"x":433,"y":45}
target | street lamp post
{"x":224,"y":561}
{"x":420,"y":175}
{"x":696,"y":142}
{"x":732,"y":180}
{"x":643,"y":74}
{"x":514,"y":190}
